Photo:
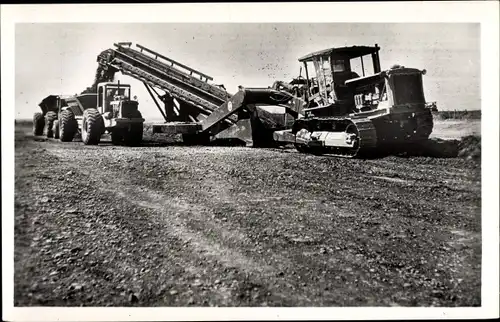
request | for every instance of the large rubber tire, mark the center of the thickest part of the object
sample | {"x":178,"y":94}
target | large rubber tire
{"x":67,"y":126}
{"x":92,"y":127}
{"x":55,"y":129}
{"x":50,"y":117}
{"x":38,"y":124}
{"x":133,"y":137}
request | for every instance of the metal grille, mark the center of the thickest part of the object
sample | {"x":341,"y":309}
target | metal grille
{"x":408,"y":89}
{"x":75,"y":109}
{"x":129,"y":109}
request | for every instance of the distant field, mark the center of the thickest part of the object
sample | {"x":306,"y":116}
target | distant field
{"x":458,"y":115}
{"x":455,"y":129}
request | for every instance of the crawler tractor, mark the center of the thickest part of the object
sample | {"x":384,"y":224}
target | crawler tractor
{"x":109,"y":110}
{"x":352,"y":115}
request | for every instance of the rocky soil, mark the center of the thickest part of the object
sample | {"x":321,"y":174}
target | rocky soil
{"x":168,"y":225}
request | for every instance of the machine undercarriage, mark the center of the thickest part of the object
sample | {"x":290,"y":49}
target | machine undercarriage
{"x":358,"y":136}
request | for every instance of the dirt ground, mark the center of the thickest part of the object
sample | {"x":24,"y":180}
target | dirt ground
{"x":168,"y":225}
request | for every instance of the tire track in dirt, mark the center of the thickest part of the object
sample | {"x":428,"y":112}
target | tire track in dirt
{"x":322,"y":210}
{"x":288,"y":237}
{"x":122,"y":264}
{"x":401,"y":194}
{"x":290,"y":229}
{"x":177,"y":215}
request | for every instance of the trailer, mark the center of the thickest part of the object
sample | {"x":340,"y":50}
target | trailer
{"x":44,"y":122}
{"x":196,"y":107}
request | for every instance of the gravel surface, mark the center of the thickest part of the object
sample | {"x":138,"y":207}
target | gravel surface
{"x":232,"y":226}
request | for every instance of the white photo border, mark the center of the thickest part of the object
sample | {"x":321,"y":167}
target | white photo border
{"x":484,"y":12}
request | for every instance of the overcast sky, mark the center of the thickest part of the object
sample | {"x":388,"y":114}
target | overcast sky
{"x":60,"y":58}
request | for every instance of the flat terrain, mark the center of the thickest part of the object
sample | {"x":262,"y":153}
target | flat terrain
{"x":230,"y":226}
{"x":455,"y":129}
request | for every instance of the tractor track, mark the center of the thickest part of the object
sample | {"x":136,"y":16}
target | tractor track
{"x":231,"y":226}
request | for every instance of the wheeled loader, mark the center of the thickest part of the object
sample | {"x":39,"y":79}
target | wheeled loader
{"x":110,"y":110}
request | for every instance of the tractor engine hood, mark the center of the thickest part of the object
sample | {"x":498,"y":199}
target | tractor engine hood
{"x":378,"y":77}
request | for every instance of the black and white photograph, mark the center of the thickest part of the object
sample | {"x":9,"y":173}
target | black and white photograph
{"x":217,"y":156}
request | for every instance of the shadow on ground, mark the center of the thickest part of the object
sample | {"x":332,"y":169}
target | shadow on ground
{"x":468,"y":147}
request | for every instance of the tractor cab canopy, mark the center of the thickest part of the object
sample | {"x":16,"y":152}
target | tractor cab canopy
{"x":334,"y":66}
{"x":111,"y":90}
{"x":342,"y":52}
{"x":111,"y":94}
